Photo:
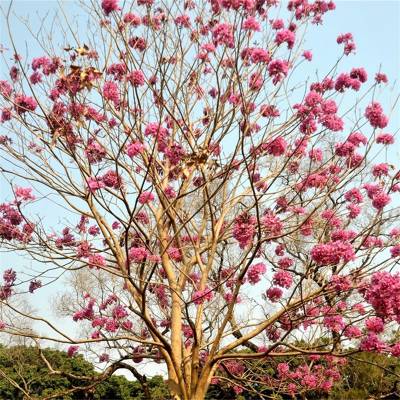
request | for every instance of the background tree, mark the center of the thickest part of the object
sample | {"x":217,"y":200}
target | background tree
{"x":25,"y":375}
{"x":225,"y":206}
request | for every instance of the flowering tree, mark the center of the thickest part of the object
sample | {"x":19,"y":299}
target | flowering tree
{"x":218,"y":212}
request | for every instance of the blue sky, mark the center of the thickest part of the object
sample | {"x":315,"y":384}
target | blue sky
{"x":374,"y":24}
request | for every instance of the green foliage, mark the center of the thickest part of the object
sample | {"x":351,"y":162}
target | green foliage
{"x":24,"y":366}
{"x":367,"y":379}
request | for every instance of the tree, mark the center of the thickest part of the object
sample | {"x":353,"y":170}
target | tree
{"x":25,"y":375}
{"x":223,"y":204}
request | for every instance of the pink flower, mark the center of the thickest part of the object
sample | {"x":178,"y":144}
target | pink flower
{"x":170,"y":192}
{"x":374,"y":114}
{"x":5,"y":89}
{"x":395,"y":251}
{"x":380,"y":170}
{"x":109,"y":6}
{"x":200,"y":296}
{"x":380,"y":77}
{"x":334,"y":322}
{"x":5,"y":115}
{"x":111,"y":92}
{"x":383,"y":293}
{"x":251,"y":24}
{"x":275,"y":147}
{"x":340,"y":283}
{"x":385,"y":138}
{"x":23,"y":103}
{"x":256,"y":81}
{"x":283,"y":279}
{"x":285,"y":262}
{"x":374,"y":324}
{"x":347,"y":40}
{"x":96,"y":260}
{"x":35,"y":78}
{"x":255,"y":271}
{"x":269,"y":111}
{"x":94,"y":151}
{"x":315,"y":154}
{"x":278,"y":69}
{"x":223,"y":34}
{"x":138,"y":43}
{"x":274,"y":294}
{"x":352,"y":331}
{"x":381,"y":200}
{"x":357,"y":138}
{"x":134,"y":148}
{"x":132,"y":19}
{"x":354,"y":195}
{"x":94,"y":184}
{"x":138,"y":254}
{"x":244,"y":229}
{"x":112,"y":180}
{"x":345,"y":81}
{"x":72,"y":350}
{"x":360,"y":74}
{"x":307,"y":55}
{"x":175,"y":254}
{"x":119,"y":312}
{"x":118,"y":70}
{"x":372,"y":343}
{"x":395,"y":350}
{"x":255,"y":55}
{"x":34,"y":285}
{"x":24,"y":193}
{"x":136,"y":78}
{"x":278,"y":24}
{"x":283,"y":369}
{"x":285,"y":36}
{"x":146,"y":197}
{"x":332,"y":253}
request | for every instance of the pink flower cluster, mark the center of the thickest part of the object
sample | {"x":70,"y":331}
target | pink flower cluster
{"x":13,"y":225}
{"x":255,"y":271}
{"x":222,"y":33}
{"x":146,"y":197}
{"x":278,"y":69}
{"x":251,"y":24}
{"x":94,"y":151}
{"x":283,"y":279}
{"x":315,"y":109}
{"x":136,"y":78}
{"x":385,"y":138}
{"x":285,"y":36}
{"x":376,"y":193}
{"x":109,"y":6}
{"x":23,"y":103}
{"x":353,"y":80}
{"x":255,"y":55}
{"x":375,"y":116}
{"x":200,"y":296}
{"x":134,"y":148}
{"x":374,"y":324}
{"x":383,"y":293}
{"x":274,"y":294}
{"x":111,"y":92}
{"x":332,"y":253}
{"x":244,"y":229}
{"x":275,"y":147}
{"x":138,"y":254}
{"x":348,"y":41}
